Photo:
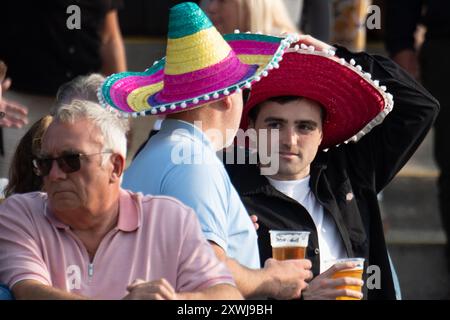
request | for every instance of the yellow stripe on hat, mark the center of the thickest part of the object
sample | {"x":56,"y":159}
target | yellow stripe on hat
{"x":137,"y":99}
{"x":195,"y":52}
{"x":260,"y":59}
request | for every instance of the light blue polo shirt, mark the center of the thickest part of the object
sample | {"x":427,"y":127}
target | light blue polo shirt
{"x":180,"y":162}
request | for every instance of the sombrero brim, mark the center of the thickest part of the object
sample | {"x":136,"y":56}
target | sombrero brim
{"x":354,"y":103}
{"x":153,"y":92}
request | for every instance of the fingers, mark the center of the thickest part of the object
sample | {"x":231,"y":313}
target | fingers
{"x":134,"y":284}
{"x":346,"y":281}
{"x":338,"y":267}
{"x":13,"y":114}
{"x":254,"y":219}
{"x":348,"y":293}
{"x":11,"y":106}
{"x":6,"y":84}
{"x":154,"y":290}
{"x":309,"y":40}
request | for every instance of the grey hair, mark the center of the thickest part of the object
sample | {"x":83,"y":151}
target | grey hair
{"x":79,"y":88}
{"x":112,"y":128}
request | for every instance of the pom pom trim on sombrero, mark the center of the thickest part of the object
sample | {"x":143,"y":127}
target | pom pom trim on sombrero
{"x":387,"y":98}
{"x":254,"y":50}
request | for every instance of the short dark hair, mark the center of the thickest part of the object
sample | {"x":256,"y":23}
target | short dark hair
{"x":253,"y":113}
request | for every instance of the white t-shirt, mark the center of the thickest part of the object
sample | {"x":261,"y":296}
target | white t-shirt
{"x":330,"y":242}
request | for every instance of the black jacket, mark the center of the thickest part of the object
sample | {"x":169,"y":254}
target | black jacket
{"x":347,"y":179}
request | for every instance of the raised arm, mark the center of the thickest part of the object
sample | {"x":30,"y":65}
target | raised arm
{"x":387,"y":148}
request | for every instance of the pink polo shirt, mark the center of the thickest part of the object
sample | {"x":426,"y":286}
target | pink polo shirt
{"x":155,"y":237}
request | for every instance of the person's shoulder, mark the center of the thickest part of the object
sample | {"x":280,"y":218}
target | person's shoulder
{"x":163,"y":206}
{"x":32,"y":203}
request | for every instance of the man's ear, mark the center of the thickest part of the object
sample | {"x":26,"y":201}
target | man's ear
{"x":118,"y":163}
{"x":227,"y":102}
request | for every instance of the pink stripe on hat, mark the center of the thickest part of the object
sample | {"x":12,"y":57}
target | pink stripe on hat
{"x":122,"y":88}
{"x":253,"y":47}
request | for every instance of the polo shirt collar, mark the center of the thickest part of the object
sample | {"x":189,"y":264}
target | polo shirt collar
{"x":130,"y":213}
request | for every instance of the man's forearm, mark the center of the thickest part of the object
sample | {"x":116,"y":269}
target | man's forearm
{"x":250,"y":282}
{"x":113,"y":57}
{"x":112,"y":49}
{"x":34,"y":290}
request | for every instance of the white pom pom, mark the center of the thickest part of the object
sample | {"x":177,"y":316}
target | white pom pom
{"x":352,"y":62}
{"x":162,"y":109}
{"x":206,"y":97}
{"x":215,"y":95}
{"x":226,"y":92}
{"x":359,"y":68}
{"x":183,"y":105}
{"x":236,"y":31}
{"x":195,"y":101}
{"x":303,"y":46}
{"x":173,"y":107}
{"x":153,"y":111}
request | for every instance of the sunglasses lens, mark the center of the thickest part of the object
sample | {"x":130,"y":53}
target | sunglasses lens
{"x":42,"y":166}
{"x":69,"y":163}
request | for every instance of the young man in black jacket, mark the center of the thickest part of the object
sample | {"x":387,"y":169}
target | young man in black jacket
{"x":329,"y":168}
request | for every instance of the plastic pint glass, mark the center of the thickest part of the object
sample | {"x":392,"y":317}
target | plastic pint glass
{"x":288,"y":244}
{"x":355,"y":272}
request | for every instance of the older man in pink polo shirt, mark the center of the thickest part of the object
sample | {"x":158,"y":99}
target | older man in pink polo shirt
{"x":88,"y":238}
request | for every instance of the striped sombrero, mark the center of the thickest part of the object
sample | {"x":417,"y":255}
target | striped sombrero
{"x":200,"y":66}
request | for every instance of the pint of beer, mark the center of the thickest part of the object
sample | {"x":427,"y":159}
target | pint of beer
{"x":288,"y":244}
{"x":356,"y":272}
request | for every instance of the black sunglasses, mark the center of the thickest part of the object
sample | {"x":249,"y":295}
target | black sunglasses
{"x":68,"y":163}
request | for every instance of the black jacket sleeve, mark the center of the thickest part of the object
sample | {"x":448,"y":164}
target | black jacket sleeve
{"x":402,"y":18}
{"x":379,"y":155}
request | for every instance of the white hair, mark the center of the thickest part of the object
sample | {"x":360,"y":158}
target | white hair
{"x":79,"y":88}
{"x":112,"y":128}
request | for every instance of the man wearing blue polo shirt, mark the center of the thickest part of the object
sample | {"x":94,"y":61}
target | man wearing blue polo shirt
{"x":198,"y":86}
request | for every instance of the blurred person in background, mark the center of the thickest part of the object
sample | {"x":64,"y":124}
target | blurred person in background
{"x":431,"y":64}
{"x":266,"y":16}
{"x":44,"y":48}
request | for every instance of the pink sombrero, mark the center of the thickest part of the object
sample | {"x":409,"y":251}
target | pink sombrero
{"x":354,"y":102}
{"x":200,"y":66}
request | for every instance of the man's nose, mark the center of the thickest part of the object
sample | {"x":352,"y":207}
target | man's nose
{"x":289,"y":136}
{"x":55,"y":171}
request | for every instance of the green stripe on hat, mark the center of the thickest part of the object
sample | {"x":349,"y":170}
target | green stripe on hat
{"x":186,"y":19}
{"x":253,"y":36}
